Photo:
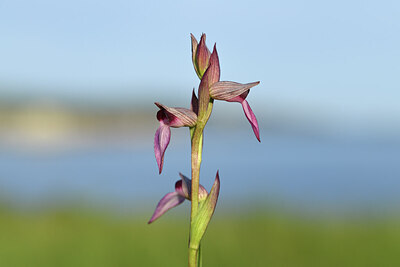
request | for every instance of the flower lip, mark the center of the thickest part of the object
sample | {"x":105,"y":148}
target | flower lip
{"x":251,"y":118}
{"x":161,"y":141}
{"x":169,"y":201}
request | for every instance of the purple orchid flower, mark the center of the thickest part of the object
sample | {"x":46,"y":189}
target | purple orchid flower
{"x":182,"y":191}
{"x":206,"y":65}
{"x":170,"y":117}
{"x":236,"y":92}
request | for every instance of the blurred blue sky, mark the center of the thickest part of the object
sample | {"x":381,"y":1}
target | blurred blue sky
{"x":326,"y":57}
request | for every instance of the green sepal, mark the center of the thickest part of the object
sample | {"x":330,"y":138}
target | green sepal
{"x":204,"y":214}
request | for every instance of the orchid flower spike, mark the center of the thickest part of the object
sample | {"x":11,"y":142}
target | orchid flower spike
{"x":170,"y":117}
{"x":236,"y":92}
{"x":200,"y":55}
{"x":183,"y":190}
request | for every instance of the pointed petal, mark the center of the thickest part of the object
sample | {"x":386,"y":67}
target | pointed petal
{"x":214,"y":69}
{"x":194,"y":103}
{"x":194,"y":49}
{"x":178,"y":117}
{"x":186,"y":188}
{"x":210,"y":77}
{"x":161,"y":141}
{"x":205,"y":213}
{"x":202,"y":57}
{"x":169,"y":201}
{"x":228,"y":90}
{"x":252,"y":119}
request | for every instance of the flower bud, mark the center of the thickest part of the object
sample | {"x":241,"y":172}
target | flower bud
{"x":200,"y":55}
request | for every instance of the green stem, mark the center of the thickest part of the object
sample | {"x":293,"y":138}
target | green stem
{"x":197,"y":145}
{"x":197,"y":148}
{"x":193,"y":256}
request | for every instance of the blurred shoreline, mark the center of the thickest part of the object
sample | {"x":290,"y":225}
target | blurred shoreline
{"x":55,"y":123}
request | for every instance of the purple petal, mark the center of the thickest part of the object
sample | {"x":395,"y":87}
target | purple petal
{"x":252,"y":118}
{"x":161,"y":141}
{"x":169,"y":201}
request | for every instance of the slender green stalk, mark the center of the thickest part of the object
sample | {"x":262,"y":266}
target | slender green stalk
{"x":193,"y":257}
{"x":197,"y":148}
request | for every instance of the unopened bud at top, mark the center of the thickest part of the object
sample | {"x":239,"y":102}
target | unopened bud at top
{"x":200,"y":55}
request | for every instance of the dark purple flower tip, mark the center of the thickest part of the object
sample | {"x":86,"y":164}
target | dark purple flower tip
{"x":228,"y":91}
{"x":176,"y":117}
{"x":161,"y":141}
{"x":169,"y":201}
{"x":194,"y":103}
{"x":214,"y":192}
{"x":179,"y":189}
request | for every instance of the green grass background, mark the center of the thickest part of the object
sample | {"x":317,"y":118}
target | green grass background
{"x":79,"y":237}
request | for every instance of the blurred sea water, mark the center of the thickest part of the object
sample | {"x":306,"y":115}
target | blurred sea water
{"x":316,"y":174}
